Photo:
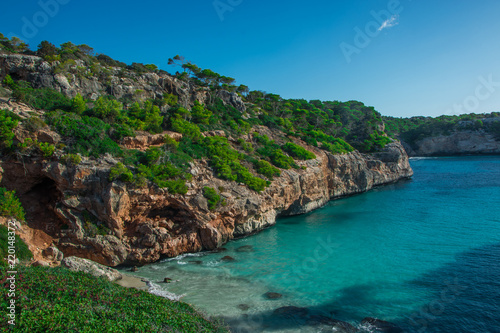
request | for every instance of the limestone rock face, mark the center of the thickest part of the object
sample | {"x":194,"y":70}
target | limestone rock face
{"x":149,"y":85}
{"x":458,"y":143}
{"x":141,"y":225}
{"x":77,"y":210}
{"x":76,"y":264}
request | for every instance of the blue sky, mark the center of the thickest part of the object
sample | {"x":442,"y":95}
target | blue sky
{"x":429,"y":58}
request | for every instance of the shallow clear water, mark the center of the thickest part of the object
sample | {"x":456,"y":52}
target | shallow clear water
{"x":422,"y":253}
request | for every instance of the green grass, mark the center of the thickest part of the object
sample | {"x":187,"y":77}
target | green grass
{"x":58,"y":300}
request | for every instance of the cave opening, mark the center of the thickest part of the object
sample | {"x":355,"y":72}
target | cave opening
{"x":40,"y":203}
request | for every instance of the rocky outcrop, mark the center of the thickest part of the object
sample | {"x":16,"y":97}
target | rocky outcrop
{"x":141,"y":225}
{"x":87,"y":266}
{"x":76,"y":209}
{"x":457,"y":143}
{"x":79,"y":78}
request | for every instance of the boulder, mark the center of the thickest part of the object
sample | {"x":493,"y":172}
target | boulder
{"x":76,"y":264}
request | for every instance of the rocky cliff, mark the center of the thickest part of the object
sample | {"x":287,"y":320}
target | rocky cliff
{"x":114,"y":81}
{"x":76,"y":209}
{"x":144,"y":224}
{"x":457,"y":143}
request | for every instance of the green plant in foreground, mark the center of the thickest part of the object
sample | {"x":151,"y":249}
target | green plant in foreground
{"x":58,"y":300}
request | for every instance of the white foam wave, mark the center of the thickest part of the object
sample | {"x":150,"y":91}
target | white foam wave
{"x":155,"y":289}
{"x":183,"y":256}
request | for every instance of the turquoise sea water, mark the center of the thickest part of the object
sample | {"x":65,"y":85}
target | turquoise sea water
{"x":422,"y":253}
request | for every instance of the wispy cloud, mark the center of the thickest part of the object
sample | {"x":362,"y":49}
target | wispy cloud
{"x":394,"y":20}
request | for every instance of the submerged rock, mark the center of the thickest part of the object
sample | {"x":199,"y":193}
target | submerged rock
{"x":243,"y":307}
{"x":228,"y":258}
{"x":271,"y":295}
{"x":167,"y":280}
{"x":220,"y":249}
{"x":381,"y":325}
{"x":245,"y":248}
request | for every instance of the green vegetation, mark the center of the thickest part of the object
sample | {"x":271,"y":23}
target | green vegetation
{"x":22,"y":253}
{"x":265,"y":168}
{"x":10,"y":206}
{"x":7,"y":125}
{"x":92,"y":226}
{"x":94,"y":128}
{"x":298,"y":152}
{"x":58,"y":300}
{"x":414,"y":129}
{"x":213,"y":198}
{"x":71,"y":159}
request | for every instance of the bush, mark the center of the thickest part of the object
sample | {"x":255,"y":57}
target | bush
{"x":7,"y":125}
{"x":71,"y":159}
{"x":41,"y":98}
{"x":265,"y":168}
{"x":338,"y":146}
{"x":212,"y":196}
{"x":78,"y":104}
{"x":89,"y":135}
{"x":34,"y":124}
{"x":120,"y":171}
{"x":298,"y":151}
{"x":10,"y":206}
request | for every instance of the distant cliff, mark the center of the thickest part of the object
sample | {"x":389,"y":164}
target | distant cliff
{"x":447,"y":135}
{"x":458,"y":143}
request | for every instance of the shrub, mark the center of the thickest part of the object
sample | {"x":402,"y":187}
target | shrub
{"x":106,"y":109}
{"x":10,"y":206}
{"x":71,"y":159}
{"x":337,"y":146}
{"x":120,"y":171}
{"x":89,"y":135}
{"x":212,"y":196}
{"x":46,"y":148}
{"x":78,"y":104}
{"x":34,"y":124}
{"x":265,"y":168}
{"x":7,"y":125}
{"x":298,"y":151}
{"x":41,"y":98}
{"x":182,"y":126}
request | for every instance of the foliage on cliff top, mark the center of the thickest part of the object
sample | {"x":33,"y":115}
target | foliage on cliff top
{"x":416,"y":128}
{"x":58,"y":300}
{"x":95,"y":127}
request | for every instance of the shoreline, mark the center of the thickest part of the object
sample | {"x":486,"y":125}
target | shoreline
{"x":130,"y":281}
